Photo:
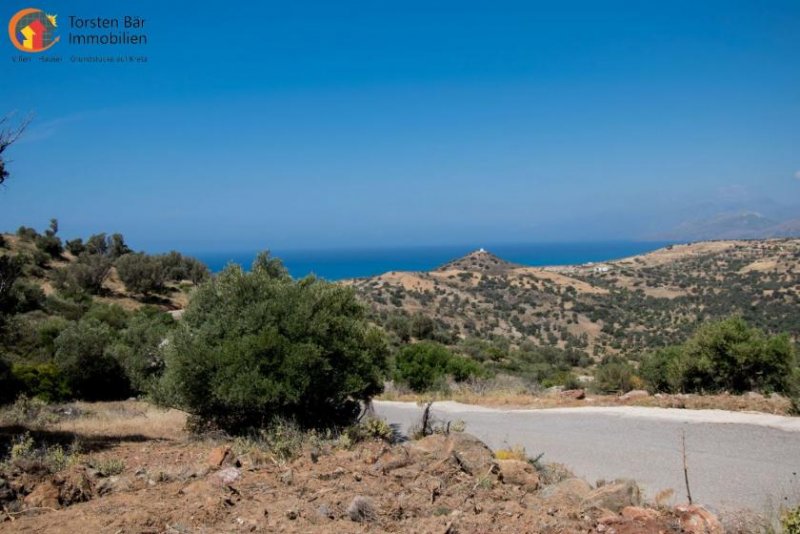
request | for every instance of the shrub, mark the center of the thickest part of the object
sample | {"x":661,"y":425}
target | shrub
{"x":727,"y":355}
{"x":140,"y":347}
{"x":665,"y":369}
{"x":791,"y":521}
{"x":10,"y":271}
{"x":42,"y":381}
{"x":252,"y":346}
{"x":87,"y":274}
{"x":50,"y":245}
{"x":615,"y":375}
{"x":178,"y":267}
{"x":117,"y":246}
{"x":424,"y":365}
{"x":75,"y":247}
{"x":82,"y":356}
{"x":141,"y":273}
{"x":26,"y":233}
{"x":9,"y":387}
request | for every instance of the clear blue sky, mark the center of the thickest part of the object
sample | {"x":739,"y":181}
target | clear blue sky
{"x":300,"y":124}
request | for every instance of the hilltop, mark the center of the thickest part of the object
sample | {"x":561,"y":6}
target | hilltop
{"x":616,"y":307}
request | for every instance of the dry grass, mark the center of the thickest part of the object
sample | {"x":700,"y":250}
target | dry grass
{"x":125,"y":418}
{"x":515,"y":399}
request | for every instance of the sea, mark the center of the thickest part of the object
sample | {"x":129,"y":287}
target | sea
{"x":342,"y":264}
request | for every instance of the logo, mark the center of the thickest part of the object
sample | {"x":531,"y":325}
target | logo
{"x":32,"y":30}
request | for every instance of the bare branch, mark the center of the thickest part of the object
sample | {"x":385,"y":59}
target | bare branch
{"x":9,"y":134}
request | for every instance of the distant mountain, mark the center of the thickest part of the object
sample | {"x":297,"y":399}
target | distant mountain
{"x":732,"y":225}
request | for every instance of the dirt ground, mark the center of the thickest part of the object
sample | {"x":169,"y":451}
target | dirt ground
{"x":138,"y":471}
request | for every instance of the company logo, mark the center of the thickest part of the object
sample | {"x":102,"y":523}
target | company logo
{"x":32,"y":30}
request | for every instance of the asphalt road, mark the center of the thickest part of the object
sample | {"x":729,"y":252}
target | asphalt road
{"x":736,"y":460}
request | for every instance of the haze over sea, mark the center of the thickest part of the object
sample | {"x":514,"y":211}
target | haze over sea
{"x":338,"y":264}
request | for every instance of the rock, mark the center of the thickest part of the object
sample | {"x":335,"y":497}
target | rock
{"x":227,"y":476}
{"x":518,"y":473}
{"x":571,"y":491}
{"x":695,"y":519}
{"x":753,"y":395}
{"x":220,"y":456}
{"x":325,"y":512}
{"x":292,"y":514}
{"x":361,"y":510}
{"x":45,"y":495}
{"x":287,"y":477}
{"x":471,"y":453}
{"x":614,"y":496}
{"x":574,"y":394}
{"x":635,"y":513}
{"x":635,"y":394}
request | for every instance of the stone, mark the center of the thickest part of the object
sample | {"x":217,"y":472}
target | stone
{"x":325,"y":512}
{"x":570,"y":491}
{"x":471,"y":453}
{"x":287,"y":477}
{"x":614,"y":496}
{"x":635,"y":394}
{"x":219,"y":456}
{"x":45,"y":495}
{"x":227,"y":476}
{"x":518,"y":473}
{"x":574,"y":394}
{"x":636,"y":513}
{"x":695,"y":519}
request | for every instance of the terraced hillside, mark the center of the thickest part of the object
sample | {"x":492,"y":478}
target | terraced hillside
{"x":622,"y":306}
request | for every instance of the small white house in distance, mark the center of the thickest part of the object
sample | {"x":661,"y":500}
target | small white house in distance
{"x":601,"y":268}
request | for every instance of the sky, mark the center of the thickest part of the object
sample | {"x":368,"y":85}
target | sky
{"x":375,"y":124}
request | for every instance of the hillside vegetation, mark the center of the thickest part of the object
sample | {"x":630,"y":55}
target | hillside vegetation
{"x":704,"y":317}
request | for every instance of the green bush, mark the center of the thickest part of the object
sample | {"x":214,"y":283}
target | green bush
{"x":50,"y":245}
{"x":615,"y":375}
{"x":140,"y":347}
{"x":791,"y":521}
{"x":425,"y":365}
{"x":727,"y":355}
{"x":9,"y":387}
{"x":90,"y":371}
{"x":141,"y":273}
{"x":85,"y":275}
{"x":43,"y":381}
{"x":75,"y":247}
{"x":26,"y":233}
{"x":253,"y":346}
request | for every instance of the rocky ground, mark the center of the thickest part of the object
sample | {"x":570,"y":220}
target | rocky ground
{"x":128,"y":479}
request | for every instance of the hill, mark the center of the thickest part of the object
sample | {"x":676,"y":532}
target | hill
{"x":623,"y":306}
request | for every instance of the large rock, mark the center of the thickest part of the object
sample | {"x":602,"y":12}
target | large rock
{"x":471,"y":454}
{"x":571,"y":491}
{"x":635,"y":394}
{"x":45,"y":495}
{"x":518,"y":473}
{"x":695,"y":519}
{"x":614,"y":496}
{"x":219,"y":456}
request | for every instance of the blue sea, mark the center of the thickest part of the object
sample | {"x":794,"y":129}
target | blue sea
{"x":354,"y":263}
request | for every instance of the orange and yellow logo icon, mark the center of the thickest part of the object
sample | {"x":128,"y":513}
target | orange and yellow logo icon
{"x":32,"y":30}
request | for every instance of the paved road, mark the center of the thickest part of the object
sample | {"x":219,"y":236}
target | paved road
{"x":736,"y":460}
